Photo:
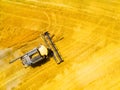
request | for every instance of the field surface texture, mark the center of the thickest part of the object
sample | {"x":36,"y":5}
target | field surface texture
{"x":90,"y":44}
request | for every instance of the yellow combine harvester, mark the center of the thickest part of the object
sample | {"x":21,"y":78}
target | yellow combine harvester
{"x":40,"y":53}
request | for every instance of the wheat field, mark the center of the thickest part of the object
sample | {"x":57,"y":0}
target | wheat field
{"x":90,"y":46}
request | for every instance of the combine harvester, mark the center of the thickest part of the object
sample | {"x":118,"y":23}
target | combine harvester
{"x":40,"y":53}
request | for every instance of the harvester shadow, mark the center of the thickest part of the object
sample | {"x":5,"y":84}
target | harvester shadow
{"x":50,"y":54}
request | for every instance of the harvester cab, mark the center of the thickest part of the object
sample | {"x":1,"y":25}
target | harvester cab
{"x":40,"y":53}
